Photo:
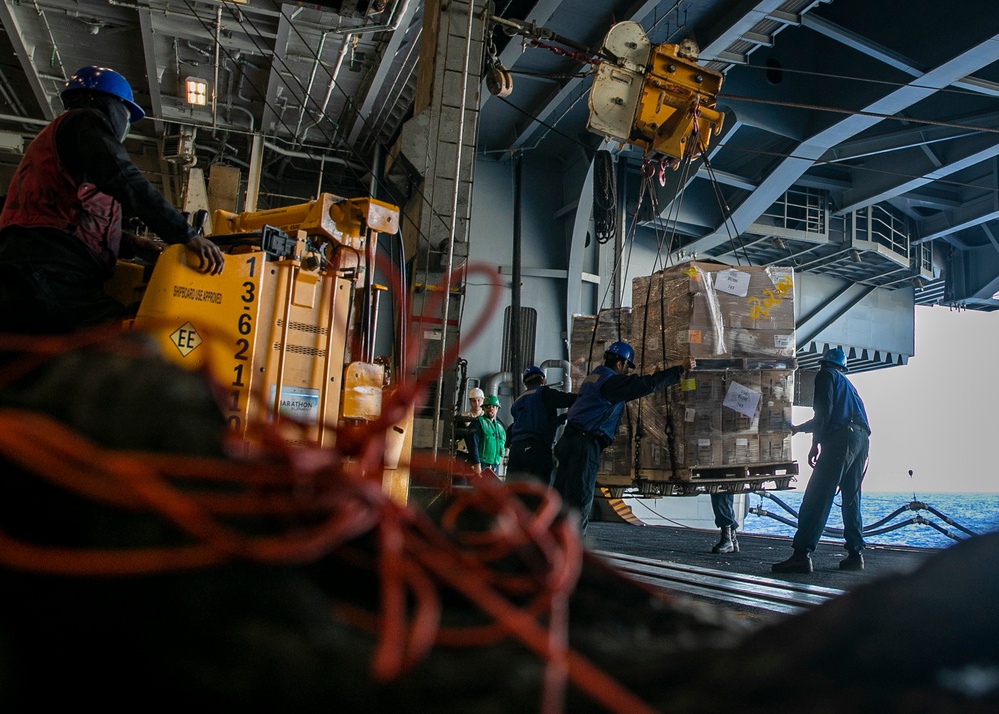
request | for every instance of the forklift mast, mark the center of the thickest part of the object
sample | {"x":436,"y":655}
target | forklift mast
{"x":288,"y":329}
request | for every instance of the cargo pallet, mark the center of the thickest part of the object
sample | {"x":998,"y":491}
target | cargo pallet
{"x":696,"y":481}
{"x":745,"y":364}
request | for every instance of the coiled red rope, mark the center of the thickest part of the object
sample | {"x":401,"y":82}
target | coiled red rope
{"x":325,"y":501}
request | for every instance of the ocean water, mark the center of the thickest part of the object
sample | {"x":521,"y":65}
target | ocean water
{"x":978,"y":512}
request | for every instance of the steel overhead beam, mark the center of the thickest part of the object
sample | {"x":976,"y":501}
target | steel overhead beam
{"x":865,"y":46}
{"x":904,"y":139}
{"x":929,"y":198}
{"x":726,"y":178}
{"x":367,"y":105}
{"x":152,"y":69}
{"x":823,"y":183}
{"x":982,"y":86}
{"x":804,"y":156}
{"x":275,"y":84}
{"x":991,"y":236}
{"x":889,"y":57}
{"x":888,"y":185}
{"x":739,"y":23}
{"x":970,"y":214}
{"x":24,"y":51}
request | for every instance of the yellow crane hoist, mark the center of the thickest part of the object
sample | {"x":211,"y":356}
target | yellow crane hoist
{"x":654,"y":96}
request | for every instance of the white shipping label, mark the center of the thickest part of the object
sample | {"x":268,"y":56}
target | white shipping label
{"x":689,"y":415}
{"x":783,"y":342}
{"x":733,"y":282}
{"x":742,"y":399}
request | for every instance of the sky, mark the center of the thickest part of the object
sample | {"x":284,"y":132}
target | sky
{"x":936,"y":414}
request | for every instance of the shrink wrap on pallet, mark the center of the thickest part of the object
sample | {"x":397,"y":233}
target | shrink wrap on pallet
{"x":715,"y":419}
{"x":715,"y":312}
{"x":734,"y":410}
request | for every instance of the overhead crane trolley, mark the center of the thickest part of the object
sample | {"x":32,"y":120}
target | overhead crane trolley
{"x":655,"y":97}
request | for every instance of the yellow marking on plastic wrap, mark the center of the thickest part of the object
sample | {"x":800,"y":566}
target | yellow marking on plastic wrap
{"x":761,"y":308}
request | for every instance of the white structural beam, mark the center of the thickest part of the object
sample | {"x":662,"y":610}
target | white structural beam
{"x":25,"y":50}
{"x":152,"y":69}
{"x":804,"y":156}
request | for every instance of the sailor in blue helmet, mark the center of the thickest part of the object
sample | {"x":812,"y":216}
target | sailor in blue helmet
{"x":536,"y":418}
{"x":593,"y":419}
{"x":60,"y":228}
{"x":838,"y":457}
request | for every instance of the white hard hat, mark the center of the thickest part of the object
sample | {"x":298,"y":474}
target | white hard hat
{"x":476,"y":393}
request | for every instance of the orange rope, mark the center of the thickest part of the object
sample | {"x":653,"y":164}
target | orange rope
{"x":319,"y":501}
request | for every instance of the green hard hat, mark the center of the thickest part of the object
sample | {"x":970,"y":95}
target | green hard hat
{"x":491,"y":401}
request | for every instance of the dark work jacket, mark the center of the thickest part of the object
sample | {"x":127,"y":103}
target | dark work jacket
{"x":602,"y":395}
{"x":535,"y":414}
{"x":593,"y":413}
{"x":43,"y":194}
{"x":837,"y":405}
{"x":86,"y":146}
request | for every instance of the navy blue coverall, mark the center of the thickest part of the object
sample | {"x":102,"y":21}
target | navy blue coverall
{"x":535,"y":421}
{"x":841,"y":430}
{"x":592,"y":423}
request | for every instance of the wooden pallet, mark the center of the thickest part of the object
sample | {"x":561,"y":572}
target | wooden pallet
{"x":696,"y":481}
{"x":746,"y":364}
{"x":655,"y":489}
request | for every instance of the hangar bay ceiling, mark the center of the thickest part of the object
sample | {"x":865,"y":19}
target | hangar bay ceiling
{"x":860,"y":139}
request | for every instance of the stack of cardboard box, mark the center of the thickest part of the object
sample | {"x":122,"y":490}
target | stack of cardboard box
{"x":735,"y":408}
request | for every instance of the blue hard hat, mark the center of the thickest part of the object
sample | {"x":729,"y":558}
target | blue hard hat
{"x":531,"y":371}
{"x":105,"y":81}
{"x":835,"y":356}
{"x":622,"y":350}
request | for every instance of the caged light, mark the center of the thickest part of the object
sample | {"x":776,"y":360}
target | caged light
{"x":197,"y":91}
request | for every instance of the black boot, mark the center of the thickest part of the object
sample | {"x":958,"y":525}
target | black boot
{"x":799,"y":562}
{"x":853,"y":561}
{"x":728,"y":543}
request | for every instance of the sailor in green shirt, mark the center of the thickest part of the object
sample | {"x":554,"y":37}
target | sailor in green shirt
{"x":488,"y":438}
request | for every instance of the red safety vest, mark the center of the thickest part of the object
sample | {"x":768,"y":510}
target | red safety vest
{"x":42,"y":194}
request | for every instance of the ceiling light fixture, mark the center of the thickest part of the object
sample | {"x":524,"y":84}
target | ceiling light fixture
{"x":197,"y":91}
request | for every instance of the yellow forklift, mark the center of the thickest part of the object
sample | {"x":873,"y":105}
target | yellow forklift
{"x":289,"y":328}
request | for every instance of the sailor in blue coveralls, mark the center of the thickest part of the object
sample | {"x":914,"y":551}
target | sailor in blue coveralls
{"x":593,"y":419}
{"x":535,"y":420}
{"x":838,"y":457}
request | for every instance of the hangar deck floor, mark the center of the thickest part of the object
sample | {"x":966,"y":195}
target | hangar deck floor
{"x":692,"y":547}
